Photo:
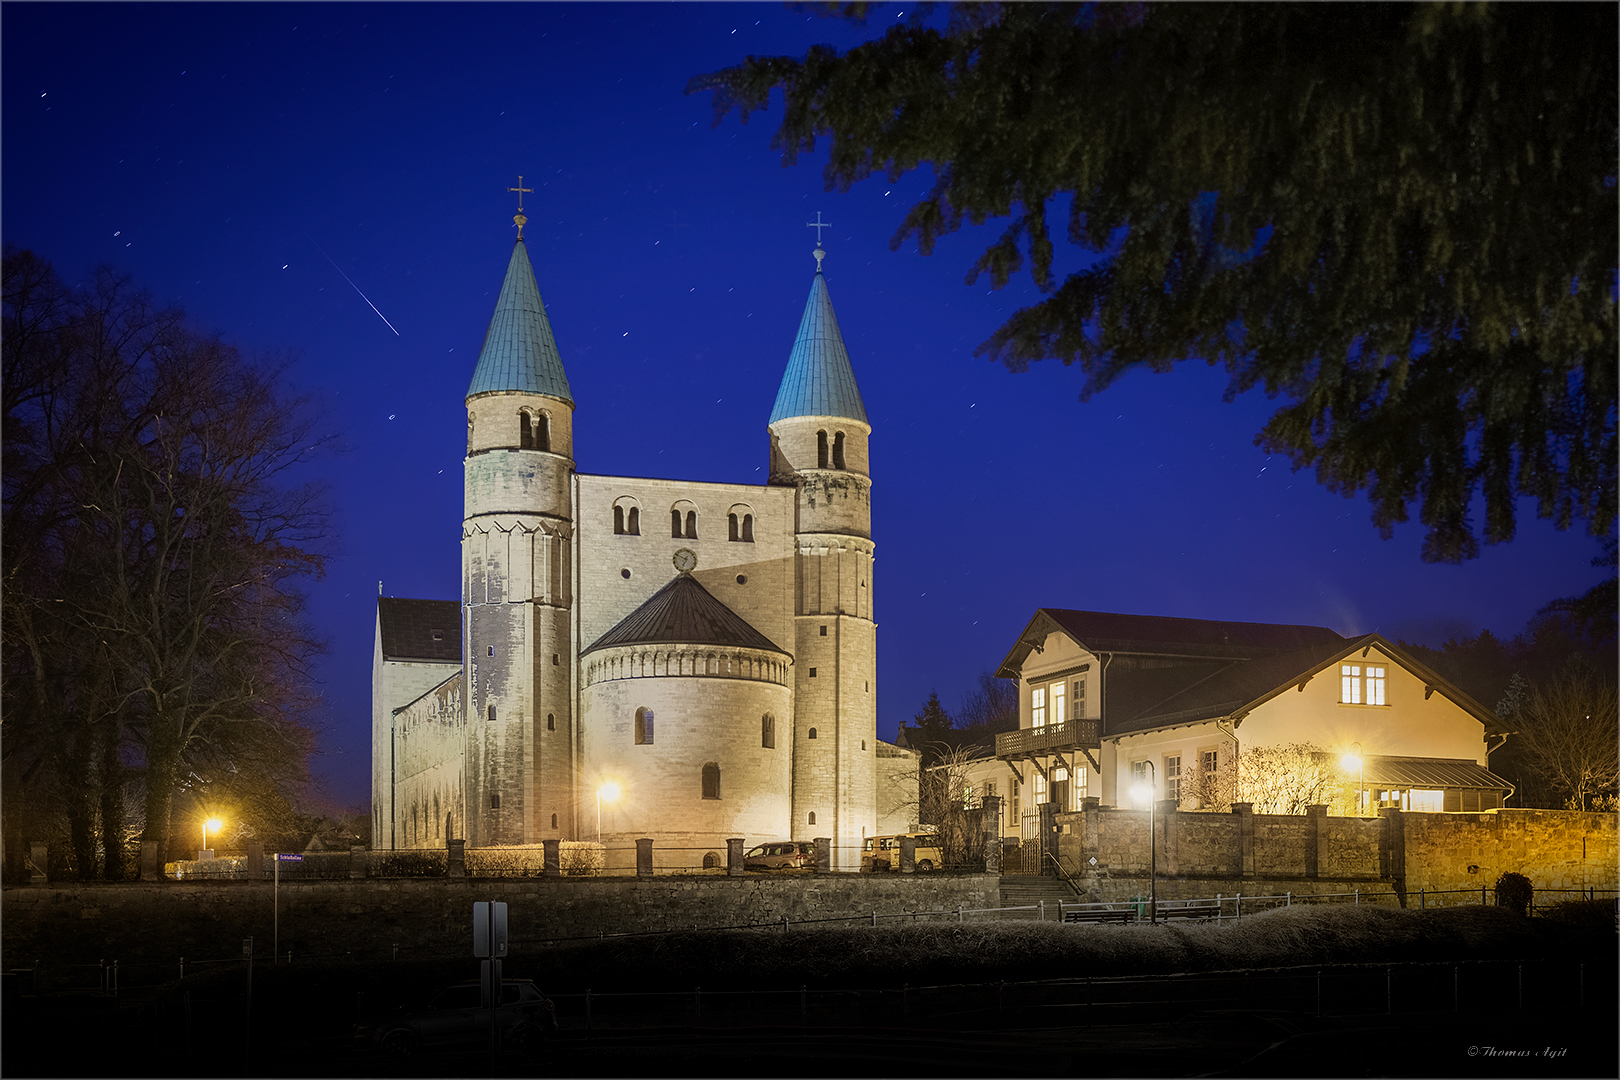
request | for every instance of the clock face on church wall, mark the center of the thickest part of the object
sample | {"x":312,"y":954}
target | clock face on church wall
{"x":685,"y":560}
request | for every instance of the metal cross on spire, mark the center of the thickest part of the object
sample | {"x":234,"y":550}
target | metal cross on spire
{"x":519,"y":219}
{"x":817,"y":225}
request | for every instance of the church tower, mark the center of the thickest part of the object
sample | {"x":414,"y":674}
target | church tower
{"x":516,"y":542}
{"x":819,"y":434}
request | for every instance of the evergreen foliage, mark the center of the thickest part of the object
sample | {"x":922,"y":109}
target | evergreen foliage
{"x":1514,"y":891}
{"x":1400,"y":219}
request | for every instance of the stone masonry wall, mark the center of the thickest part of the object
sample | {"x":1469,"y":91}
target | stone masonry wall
{"x":1246,"y":852}
{"x":161,"y":922}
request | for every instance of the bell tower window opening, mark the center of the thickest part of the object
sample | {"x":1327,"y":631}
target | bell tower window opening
{"x":733,"y":533}
{"x":618,"y":521}
{"x":691,"y":524}
{"x":675,"y":524}
{"x":543,"y":435}
{"x":821,"y":449}
{"x":632,"y":523}
{"x":748,"y":528}
{"x":838,"y":450}
{"x":525,"y":431}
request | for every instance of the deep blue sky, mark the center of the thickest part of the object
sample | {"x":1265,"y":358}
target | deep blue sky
{"x":215,"y":151}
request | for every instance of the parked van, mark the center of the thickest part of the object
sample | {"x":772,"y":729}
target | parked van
{"x":881,"y":853}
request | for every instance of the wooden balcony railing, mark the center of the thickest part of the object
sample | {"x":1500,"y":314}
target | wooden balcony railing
{"x":1069,"y":735}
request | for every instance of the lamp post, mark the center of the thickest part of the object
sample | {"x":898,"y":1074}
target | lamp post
{"x":1352,"y":760}
{"x":1146,"y":791}
{"x":609,"y":791}
{"x":210,"y":823}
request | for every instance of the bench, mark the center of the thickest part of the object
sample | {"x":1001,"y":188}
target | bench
{"x":1119,"y":915}
{"x":1200,"y":911}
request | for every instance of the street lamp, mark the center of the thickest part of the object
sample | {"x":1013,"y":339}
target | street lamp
{"x":608,"y":791}
{"x":1146,"y":791}
{"x":211,"y":823}
{"x":1352,"y":760}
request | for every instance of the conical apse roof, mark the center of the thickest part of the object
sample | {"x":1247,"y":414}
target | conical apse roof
{"x":683,"y":613}
{"x":519,"y":352}
{"x":818,"y":380}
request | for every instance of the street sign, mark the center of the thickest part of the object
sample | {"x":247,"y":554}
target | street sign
{"x":489,"y":928}
{"x":284,"y":857}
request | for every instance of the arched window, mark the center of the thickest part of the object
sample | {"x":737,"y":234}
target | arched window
{"x":748,"y":528}
{"x":525,"y":431}
{"x":551,"y":722}
{"x":812,"y":733}
{"x":838,"y":450}
{"x":618,"y":521}
{"x":733,"y":533}
{"x":495,"y":800}
{"x":691,"y":524}
{"x":675,"y":524}
{"x":543,"y":436}
{"x":711,"y":860}
{"x":711,"y":780}
{"x":767,"y":731}
{"x":553,"y":821}
{"x":633,"y":524}
{"x":644,"y":727}
{"x":821,"y":449}
{"x":492,"y":714}
{"x":812,"y":817}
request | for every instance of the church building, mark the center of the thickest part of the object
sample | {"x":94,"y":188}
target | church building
{"x":634,"y":657}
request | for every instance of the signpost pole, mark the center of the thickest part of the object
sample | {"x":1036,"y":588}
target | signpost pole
{"x":275,"y":908}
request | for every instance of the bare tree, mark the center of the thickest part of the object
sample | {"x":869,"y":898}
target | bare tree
{"x":949,"y":802}
{"x":1568,"y":731}
{"x":155,"y":551}
{"x":1282,"y":779}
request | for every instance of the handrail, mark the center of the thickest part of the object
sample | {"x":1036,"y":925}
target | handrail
{"x":1068,"y":735}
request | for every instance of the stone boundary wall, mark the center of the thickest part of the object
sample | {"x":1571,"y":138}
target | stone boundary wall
{"x":1247,"y":852}
{"x":163,"y":921}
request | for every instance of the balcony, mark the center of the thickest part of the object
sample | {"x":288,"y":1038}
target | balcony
{"x":1051,"y":739}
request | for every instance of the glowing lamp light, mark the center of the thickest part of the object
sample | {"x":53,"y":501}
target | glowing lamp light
{"x":212,"y":823}
{"x":1142,"y":793}
{"x":1350,"y":762}
{"x":609,"y":791}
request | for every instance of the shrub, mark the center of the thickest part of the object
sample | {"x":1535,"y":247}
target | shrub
{"x":582,"y":858}
{"x":1584,"y":914}
{"x":1514,"y":891}
{"x":506,"y":862}
{"x":409,"y":863}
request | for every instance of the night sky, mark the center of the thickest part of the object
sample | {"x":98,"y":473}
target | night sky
{"x":277,"y":170}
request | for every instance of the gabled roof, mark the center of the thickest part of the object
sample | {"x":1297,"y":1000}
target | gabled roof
{"x":683,"y":613}
{"x":818,"y":380}
{"x":1163,"y":636}
{"x":519,"y":352}
{"x":1142,"y":700}
{"x":420,"y":629}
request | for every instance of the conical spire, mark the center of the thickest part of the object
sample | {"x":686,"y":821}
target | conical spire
{"x":818,"y":380}
{"x":519,"y":352}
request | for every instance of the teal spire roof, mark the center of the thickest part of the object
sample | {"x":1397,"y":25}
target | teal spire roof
{"x":818,"y":380}
{"x":519,"y":352}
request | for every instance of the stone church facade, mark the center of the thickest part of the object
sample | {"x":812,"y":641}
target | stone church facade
{"x":705,"y":650}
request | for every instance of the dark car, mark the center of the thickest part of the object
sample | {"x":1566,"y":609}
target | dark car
{"x":782,"y":855}
{"x":458,"y":1015}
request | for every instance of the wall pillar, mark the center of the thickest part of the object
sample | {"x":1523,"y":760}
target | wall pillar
{"x":1243,"y":857}
{"x":1167,"y":815}
{"x":908,"y":855}
{"x":823,"y":855}
{"x":1392,"y":850}
{"x":457,"y":858}
{"x":644,"y":865}
{"x":253,"y":864}
{"x":553,"y":858}
{"x":734,"y":857}
{"x":1315,"y":838}
{"x":357,"y":862}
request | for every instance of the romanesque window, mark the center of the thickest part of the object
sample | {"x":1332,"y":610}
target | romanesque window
{"x":618,"y":521}
{"x":812,"y":820}
{"x":675,"y":524}
{"x":691,"y":524}
{"x":492,"y":714}
{"x":553,"y":821}
{"x":821,"y":449}
{"x":767,"y":731}
{"x":633,"y":522}
{"x":748,"y":528}
{"x":838,"y":450}
{"x":812,"y":733}
{"x":740,"y":526}
{"x":551,"y":722}
{"x":644,"y":727}
{"x":711,"y":780}
{"x":711,"y":860}
{"x":734,"y":534}
{"x":494,"y":800}
{"x":626,"y":518}
{"x":543,"y":435}
{"x":525,"y":431}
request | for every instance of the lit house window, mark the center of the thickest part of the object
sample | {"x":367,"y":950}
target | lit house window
{"x":1360,"y":685}
{"x":1208,"y":765}
{"x":1059,"y":701}
{"x":1079,"y":697}
{"x":1172,"y":778}
{"x":1037,"y":707}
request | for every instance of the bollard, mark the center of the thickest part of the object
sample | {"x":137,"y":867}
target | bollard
{"x":1358,"y":896}
{"x":874,"y":916}
{"x":958,"y":912}
{"x":1043,"y":910}
{"x":1289,"y":902}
